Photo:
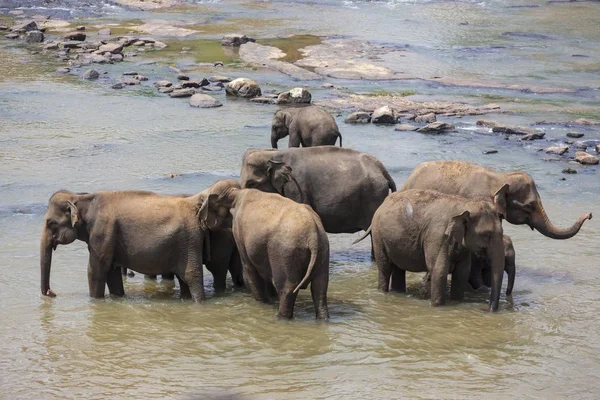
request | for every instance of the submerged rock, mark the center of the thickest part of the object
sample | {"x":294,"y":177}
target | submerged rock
{"x":79,"y":36}
{"x":235,"y":39}
{"x":264,"y":100}
{"x":490,"y":151}
{"x":585,"y":158}
{"x":34,"y":37}
{"x":91,"y":74}
{"x":560,"y":150}
{"x":130,"y":81}
{"x":195,"y":83}
{"x":533,"y":136}
{"x":111,"y":48}
{"x":183,"y":77}
{"x":569,"y":171}
{"x":12,"y":36}
{"x":63,"y":70}
{"x":295,"y":96}
{"x":384,"y":115}
{"x":182,"y":93}
{"x":427,"y":118}
{"x":160,"y":84}
{"x":575,"y":135}
{"x":219,"y":78}
{"x":406,"y":127}
{"x":166,"y":89}
{"x":118,"y":85}
{"x":358,"y":117}
{"x":201,"y":100}
{"x":436,"y":127}
{"x":104,"y":32}
{"x":243,"y":87}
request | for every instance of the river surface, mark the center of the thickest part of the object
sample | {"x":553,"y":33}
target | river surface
{"x":57,"y":132}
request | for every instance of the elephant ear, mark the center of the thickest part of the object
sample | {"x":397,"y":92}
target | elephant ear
{"x":74,"y":211}
{"x":500,"y":200}
{"x":280,"y":173}
{"x":457,"y":228}
{"x":208,"y":212}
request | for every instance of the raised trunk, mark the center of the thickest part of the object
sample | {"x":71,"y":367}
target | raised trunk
{"x":541,"y":222}
{"x":45,"y":262}
{"x":496,"y":261}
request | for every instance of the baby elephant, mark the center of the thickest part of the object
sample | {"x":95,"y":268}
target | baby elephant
{"x":282,"y":245}
{"x":427,"y":231}
{"x":307,"y":127}
{"x":480,"y":268}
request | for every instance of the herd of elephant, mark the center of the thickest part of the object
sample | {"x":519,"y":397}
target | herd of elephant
{"x":270,"y":229}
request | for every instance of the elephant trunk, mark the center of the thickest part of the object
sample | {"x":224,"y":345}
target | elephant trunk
{"x":496,"y":260}
{"x":46,"y":248}
{"x":542,"y":223}
{"x":511,"y":271}
{"x":274,"y":139}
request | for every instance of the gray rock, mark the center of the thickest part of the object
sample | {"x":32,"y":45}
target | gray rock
{"x":26,"y":26}
{"x":218,"y":64}
{"x":130,"y":73}
{"x":130,"y":81}
{"x":358,"y":117}
{"x":90,"y":45}
{"x":63,"y":70}
{"x":575,"y":135}
{"x":585,"y":158}
{"x":160,"y":84}
{"x":159,"y":45}
{"x":80,"y":28}
{"x":212,"y":88}
{"x":127,"y":41}
{"x":3,"y":28}
{"x":328,"y":85}
{"x":533,"y":136}
{"x":569,"y":171}
{"x":490,"y":151}
{"x":560,"y":150}
{"x":182,"y":93}
{"x":12,"y":36}
{"x":436,"y":127}
{"x":141,"y":78}
{"x":584,"y":144}
{"x":195,"y":83}
{"x":72,"y":44}
{"x":104,"y":32}
{"x":98,"y":59}
{"x":511,"y":129}
{"x":91,"y":74}
{"x":118,"y":85}
{"x":111,"y":48}
{"x":183,"y":77}
{"x":235,"y":39}
{"x":51,"y":46}
{"x":186,"y":48}
{"x":405,"y":127}
{"x":79,"y":36}
{"x":427,"y":118}
{"x":165,"y":89}
{"x":264,"y":100}
{"x":384,"y":115}
{"x":583,"y":121}
{"x":139,"y":43}
{"x":295,"y":96}
{"x":34,"y":37}
{"x":598,"y":148}
{"x":117,"y":57}
{"x":201,"y":100}
{"x":243,"y":87}
{"x":219,"y":78}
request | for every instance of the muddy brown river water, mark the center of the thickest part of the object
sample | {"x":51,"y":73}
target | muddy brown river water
{"x":58,"y":132}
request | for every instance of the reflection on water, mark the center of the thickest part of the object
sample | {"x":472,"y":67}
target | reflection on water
{"x":58,"y":132}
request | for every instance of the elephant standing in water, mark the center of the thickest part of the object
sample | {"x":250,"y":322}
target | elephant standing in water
{"x":282,"y":244}
{"x":307,"y":126}
{"x":343,"y":186}
{"x":480,"y":269}
{"x":428,"y":231}
{"x":146,"y":232}
{"x":523,"y":202}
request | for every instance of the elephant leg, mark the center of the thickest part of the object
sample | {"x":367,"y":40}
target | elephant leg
{"x":271,"y":292}
{"x":256,"y":284}
{"x":287,"y":300}
{"x":219,"y":278}
{"x":124,"y":271}
{"x":168,"y":277}
{"x":114,"y":282}
{"x":153,"y":277}
{"x":184,"y":289}
{"x":476,"y":275}
{"x":235,"y":270}
{"x":439,"y":275}
{"x":398,"y":280}
{"x":486,"y":276}
{"x":460,"y":278}
{"x":96,"y":279}
{"x":318,"y":290}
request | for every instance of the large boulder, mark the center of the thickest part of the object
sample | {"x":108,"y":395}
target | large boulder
{"x":384,"y":115}
{"x":243,"y":87}
{"x":201,"y":100}
{"x":358,"y":117}
{"x":436,"y":127}
{"x":26,"y":26}
{"x":295,"y":96}
{"x":235,"y":39}
{"x":585,"y":158}
{"x":35,"y":37}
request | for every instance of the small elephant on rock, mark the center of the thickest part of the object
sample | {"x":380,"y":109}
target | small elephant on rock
{"x":307,"y":126}
{"x":282,"y":244}
{"x":143,"y":231}
{"x":428,"y":231}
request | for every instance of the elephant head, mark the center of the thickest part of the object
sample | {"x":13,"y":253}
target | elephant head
{"x":280,"y":126}
{"x":524,"y":206}
{"x":216,"y":201}
{"x":63,"y":223}
{"x":479,"y":229}
{"x":261,"y":170}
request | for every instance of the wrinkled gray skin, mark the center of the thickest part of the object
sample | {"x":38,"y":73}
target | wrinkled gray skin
{"x":428,"y":231}
{"x":146,"y":232}
{"x":343,"y":186}
{"x":282,"y":244}
{"x":306,"y":126}
{"x":524,"y":205}
{"x":481,"y":272}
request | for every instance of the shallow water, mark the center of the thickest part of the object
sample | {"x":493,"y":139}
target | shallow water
{"x":61,"y":133}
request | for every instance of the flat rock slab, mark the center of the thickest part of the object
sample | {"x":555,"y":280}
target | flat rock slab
{"x":219,"y":78}
{"x":559,"y":150}
{"x":201,"y":100}
{"x":165,"y":28}
{"x":436,"y":127}
{"x":111,"y":48}
{"x":266,"y":56}
{"x":533,"y":136}
{"x":163,"y":83}
{"x":585,"y":158}
{"x":498,"y":127}
{"x":264,"y":100}
{"x":182,"y":93}
{"x":406,"y":127}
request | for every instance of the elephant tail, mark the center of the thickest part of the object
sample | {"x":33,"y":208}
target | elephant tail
{"x":340,"y":136}
{"x":311,"y":267}
{"x":367,"y":233}
{"x":388,"y":177}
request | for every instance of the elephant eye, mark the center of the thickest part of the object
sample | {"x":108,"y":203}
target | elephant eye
{"x":51,"y":224}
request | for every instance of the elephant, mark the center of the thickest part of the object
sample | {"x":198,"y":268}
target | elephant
{"x":144,"y":231}
{"x":307,"y":126}
{"x":223,"y":257}
{"x":282,"y":244}
{"x":428,"y":231}
{"x":480,"y":270}
{"x":343,"y":186}
{"x":461,"y":178}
